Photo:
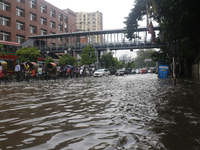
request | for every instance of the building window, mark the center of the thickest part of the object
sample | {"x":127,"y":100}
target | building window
{"x":32,"y":29}
{"x":60,"y":27}
{"x":52,"y":13}
{"x":93,"y":15}
{"x":21,"y":1}
{"x":66,"y":18}
{"x":32,"y":16}
{"x":19,"y":12}
{"x":60,"y":16}
{"x":4,"y":21}
{"x":93,"y":19}
{"x":52,"y":33}
{"x":93,"y":22}
{"x":20,"y":39}
{"x":4,"y":6}
{"x":43,"y":8}
{"x":52,"y":24}
{"x":32,"y":3}
{"x":43,"y":21}
{"x":5,"y":36}
{"x":43,"y":32}
{"x":19,"y":25}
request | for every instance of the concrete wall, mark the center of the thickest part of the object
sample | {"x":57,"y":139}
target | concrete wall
{"x":196,"y":69}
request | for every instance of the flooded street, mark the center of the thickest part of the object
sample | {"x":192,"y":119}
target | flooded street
{"x":133,"y":112}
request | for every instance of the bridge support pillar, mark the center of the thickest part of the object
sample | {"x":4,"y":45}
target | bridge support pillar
{"x":97,"y":64}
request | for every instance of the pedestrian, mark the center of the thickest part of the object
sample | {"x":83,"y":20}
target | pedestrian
{"x":69,"y":71}
{"x":61,"y":70}
{"x":58,"y":70}
{"x":76,"y":71}
{"x":81,"y":70}
{"x":17,"y":69}
{"x":27,"y":67}
{"x":44,"y":70}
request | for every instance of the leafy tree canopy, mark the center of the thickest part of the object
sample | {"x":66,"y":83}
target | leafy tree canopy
{"x":66,"y":59}
{"x":26,"y":54}
{"x":108,"y":60}
{"x":141,"y":56}
{"x":88,"y":56}
{"x":130,"y":65}
{"x":48,"y":60}
{"x":179,"y":21}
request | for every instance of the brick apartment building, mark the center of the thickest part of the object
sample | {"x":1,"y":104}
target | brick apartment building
{"x":22,"y":18}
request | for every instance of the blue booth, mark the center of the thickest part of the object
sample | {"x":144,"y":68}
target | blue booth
{"x":163,"y":69}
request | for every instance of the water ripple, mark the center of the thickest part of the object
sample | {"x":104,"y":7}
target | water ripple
{"x":129,"y":112}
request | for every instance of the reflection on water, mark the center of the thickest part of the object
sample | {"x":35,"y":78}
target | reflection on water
{"x":129,"y":112}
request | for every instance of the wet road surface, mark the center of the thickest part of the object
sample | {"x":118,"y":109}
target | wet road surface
{"x":133,"y":112}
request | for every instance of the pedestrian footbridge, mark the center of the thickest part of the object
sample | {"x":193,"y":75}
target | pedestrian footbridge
{"x":108,"y":40}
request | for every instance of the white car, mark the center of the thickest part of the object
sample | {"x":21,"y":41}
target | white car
{"x":137,"y":71}
{"x":101,"y":73}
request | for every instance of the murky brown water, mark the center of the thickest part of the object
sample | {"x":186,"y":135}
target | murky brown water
{"x":111,"y":113}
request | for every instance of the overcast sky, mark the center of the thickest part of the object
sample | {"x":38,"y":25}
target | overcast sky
{"x":113,"y":12}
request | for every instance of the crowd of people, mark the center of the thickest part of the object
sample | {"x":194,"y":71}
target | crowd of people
{"x":44,"y":71}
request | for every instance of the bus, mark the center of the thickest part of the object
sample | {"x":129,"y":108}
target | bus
{"x":9,"y":49}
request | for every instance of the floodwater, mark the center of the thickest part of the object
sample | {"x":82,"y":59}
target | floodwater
{"x":134,"y":112}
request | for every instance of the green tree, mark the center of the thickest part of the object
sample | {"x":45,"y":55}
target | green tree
{"x":2,"y":54}
{"x":88,"y":56}
{"x":66,"y":59}
{"x":121,"y":64}
{"x":130,"y":65}
{"x":141,"y":56}
{"x":109,"y":60}
{"x":179,"y":21}
{"x":48,"y":60}
{"x":26,"y":54}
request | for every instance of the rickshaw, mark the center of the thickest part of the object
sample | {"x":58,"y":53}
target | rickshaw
{"x":33,"y":70}
{"x":4,"y":76}
{"x":52,"y":69}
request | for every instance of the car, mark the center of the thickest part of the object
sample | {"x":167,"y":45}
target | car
{"x":120,"y":73}
{"x":137,"y":71}
{"x":101,"y":73}
{"x":133,"y":71}
{"x":149,"y":71}
{"x":89,"y":72}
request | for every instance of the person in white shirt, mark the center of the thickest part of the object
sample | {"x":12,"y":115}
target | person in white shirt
{"x":17,"y":68}
{"x":58,"y":70}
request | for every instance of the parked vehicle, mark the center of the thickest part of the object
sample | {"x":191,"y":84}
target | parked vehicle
{"x":89,"y":72}
{"x":113,"y":70}
{"x":133,"y":71}
{"x":101,"y":73}
{"x":120,"y":73}
{"x":4,"y":76}
{"x":137,"y":71}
